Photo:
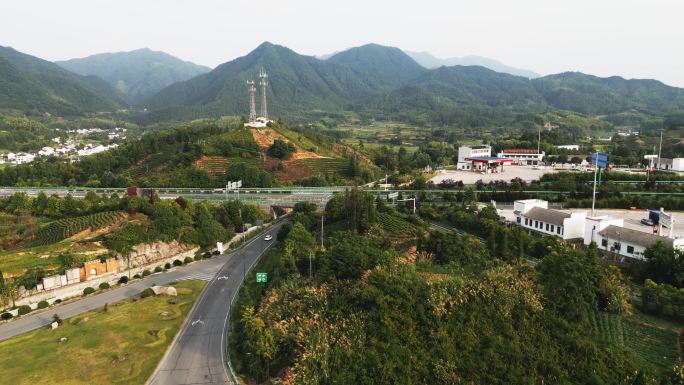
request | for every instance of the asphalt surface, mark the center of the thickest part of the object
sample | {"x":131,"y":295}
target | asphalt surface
{"x":198,"y":356}
{"x":205,"y":270}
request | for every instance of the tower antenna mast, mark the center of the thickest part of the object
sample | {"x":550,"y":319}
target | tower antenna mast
{"x":252,"y":101}
{"x":263,"y":82}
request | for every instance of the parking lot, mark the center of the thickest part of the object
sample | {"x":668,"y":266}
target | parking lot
{"x":526,"y":173}
{"x":632,"y":218}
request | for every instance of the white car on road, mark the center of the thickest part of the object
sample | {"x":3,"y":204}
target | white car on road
{"x":268,"y":238}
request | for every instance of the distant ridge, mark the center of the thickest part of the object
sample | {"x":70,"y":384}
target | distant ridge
{"x":427,"y":60}
{"x":136,"y":74}
{"x":31,"y":84}
{"x":297,"y":82}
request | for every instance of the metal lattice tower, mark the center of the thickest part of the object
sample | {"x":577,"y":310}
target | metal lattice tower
{"x":252,"y":101}
{"x":263,"y":82}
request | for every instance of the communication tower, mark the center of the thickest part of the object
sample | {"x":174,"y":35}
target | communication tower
{"x":252,"y":101}
{"x":263,"y":82}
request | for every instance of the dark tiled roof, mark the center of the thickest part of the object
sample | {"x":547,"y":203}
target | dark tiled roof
{"x":553,"y":217}
{"x":634,"y":236}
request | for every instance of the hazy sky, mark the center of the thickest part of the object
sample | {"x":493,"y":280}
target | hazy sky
{"x":631,"y":38}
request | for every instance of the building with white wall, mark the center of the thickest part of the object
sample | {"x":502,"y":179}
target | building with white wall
{"x":571,"y":147}
{"x":534,"y":214}
{"x":674,"y":164}
{"x":631,"y":244}
{"x":523,"y":157}
{"x":464,"y":152}
{"x":595,"y":224}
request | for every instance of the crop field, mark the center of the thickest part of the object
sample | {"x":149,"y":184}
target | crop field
{"x":327,"y":166}
{"x":100,"y":347}
{"x":397,"y":226}
{"x":653,"y":341}
{"x":65,"y":228}
{"x":215,"y":166}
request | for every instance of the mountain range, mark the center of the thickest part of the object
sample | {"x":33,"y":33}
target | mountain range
{"x":428,"y":60}
{"x":28,"y":83}
{"x":383,"y":80}
{"x":136,"y":74}
{"x":371,"y":80}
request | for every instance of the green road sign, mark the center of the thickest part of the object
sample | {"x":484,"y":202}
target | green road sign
{"x":261,"y":277}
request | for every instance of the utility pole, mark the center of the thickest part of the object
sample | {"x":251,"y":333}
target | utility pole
{"x":322,"y":216}
{"x":660,"y":148}
{"x":539,"y":141}
{"x":310,"y":257}
{"x":593,"y":197}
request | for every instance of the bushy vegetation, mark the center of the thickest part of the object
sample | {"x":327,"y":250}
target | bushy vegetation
{"x":281,"y":149}
{"x":24,"y":309}
{"x":462,"y":313}
{"x":88,"y":290}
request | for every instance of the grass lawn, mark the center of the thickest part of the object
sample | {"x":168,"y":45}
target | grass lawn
{"x":120,"y":346}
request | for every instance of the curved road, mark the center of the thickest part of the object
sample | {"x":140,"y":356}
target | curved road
{"x":204,"y":270}
{"x":198,"y":355}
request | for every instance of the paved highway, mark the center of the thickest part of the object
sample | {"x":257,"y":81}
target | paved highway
{"x":198,"y":355}
{"x":204,"y":270}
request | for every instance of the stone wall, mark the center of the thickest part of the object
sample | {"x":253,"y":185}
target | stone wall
{"x":72,"y":283}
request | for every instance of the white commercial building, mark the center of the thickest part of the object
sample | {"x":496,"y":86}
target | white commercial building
{"x":534,"y":214}
{"x":675,"y":164}
{"x":571,"y":147}
{"x":629,"y":243}
{"x":523,"y":157}
{"x":464,"y":152}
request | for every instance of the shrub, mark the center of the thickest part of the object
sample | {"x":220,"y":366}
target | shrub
{"x":25,"y":309}
{"x":146,"y":293}
{"x":58,"y":300}
{"x":43,"y":304}
{"x":216,"y":252}
{"x":104,"y":286}
{"x":123,"y":279}
{"x":55,"y":318}
{"x":158,"y":269}
{"x":6,"y":316}
{"x":177,"y":262}
{"x":146,"y":272}
{"x":167,"y":266}
{"x":197,"y":258}
{"x":137,"y":276}
{"x":88,"y":290}
{"x":188,"y":260}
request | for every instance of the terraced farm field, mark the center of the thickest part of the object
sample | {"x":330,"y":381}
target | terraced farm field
{"x":654,"y":341}
{"x":215,"y":166}
{"x":327,"y":166}
{"x":396,"y":225}
{"x":65,"y":228}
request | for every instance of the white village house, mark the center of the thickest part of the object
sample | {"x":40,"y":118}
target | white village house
{"x":631,"y":244}
{"x":534,"y":214}
{"x":607,"y":232}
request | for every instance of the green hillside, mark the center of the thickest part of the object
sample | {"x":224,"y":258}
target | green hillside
{"x":383,"y":81}
{"x":593,"y":95}
{"x":29,"y":83}
{"x":297,"y":83}
{"x":137,"y":74}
